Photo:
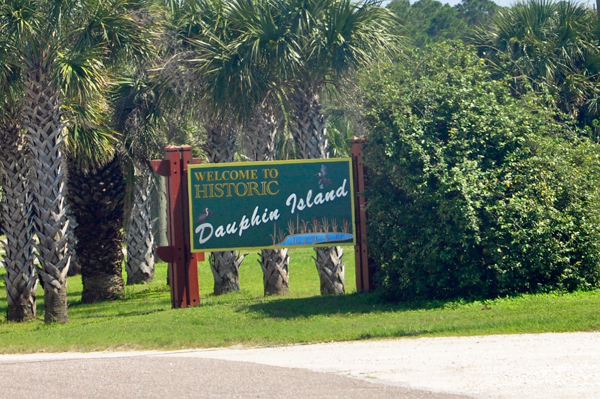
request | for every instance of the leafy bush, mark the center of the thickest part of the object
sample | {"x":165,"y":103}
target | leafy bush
{"x":474,"y":193}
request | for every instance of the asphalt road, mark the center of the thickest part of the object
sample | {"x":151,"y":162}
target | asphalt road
{"x":171,"y":376}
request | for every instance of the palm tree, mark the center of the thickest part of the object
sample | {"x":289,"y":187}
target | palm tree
{"x":149,"y":112}
{"x":136,"y":118}
{"x":97,"y":198}
{"x":21,"y":278}
{"x":222,"y":133}
{"x":96,"y":193}
{"x":242,"y":79}
{"x":330,"y":39}
{"x":140,"y":236}
{"x":61,"y":47}
{"x":260,"y":145}
{"x":233,"y":64}
{"x":199,"y":32}
{"x":543,"y":44}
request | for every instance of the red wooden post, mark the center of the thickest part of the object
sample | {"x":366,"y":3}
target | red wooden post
{"x":183,"y":266}
{"x":191,"y":261}
{"x":363,"y":273}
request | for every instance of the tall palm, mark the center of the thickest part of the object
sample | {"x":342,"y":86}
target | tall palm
{"x":61,"y":46}
{"x":544,"y":44}
{"x":245,"y":81}
{"x":149,"y":112}
{"x":238,"y":79}
{"x":96,"y":180}
{"x":200,"y":32}
{"x":21,"y":277}
{"x":136,"y":118}
{"x":261,"y":139}
{"x":330,"y":38}
{"x":140,"y":234}
{"x":222,"y":133}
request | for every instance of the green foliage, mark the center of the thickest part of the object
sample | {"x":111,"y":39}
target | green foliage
{"x":474,"y":193}
{"x":341,"y":127}
{"x":75,"y":41}
{"x":78,"y":46}
{"x":430,"y":21}
{"x":547,"y":45}
{"x":476,"y":12}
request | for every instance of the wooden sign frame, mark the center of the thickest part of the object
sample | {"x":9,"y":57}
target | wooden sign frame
{"x":183,"y":263}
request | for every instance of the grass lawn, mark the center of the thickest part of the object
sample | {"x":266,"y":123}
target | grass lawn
{"x":143,"y":318}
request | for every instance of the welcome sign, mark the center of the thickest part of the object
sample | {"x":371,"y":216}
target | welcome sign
{"x":271,"y":204}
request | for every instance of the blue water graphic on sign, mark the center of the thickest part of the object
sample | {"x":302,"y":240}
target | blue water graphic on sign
{"x":315,"y":238}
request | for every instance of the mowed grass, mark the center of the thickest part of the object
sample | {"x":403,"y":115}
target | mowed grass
{"x":143,"y":319}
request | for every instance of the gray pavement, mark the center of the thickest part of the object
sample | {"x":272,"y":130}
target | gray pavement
{"x":154,"y":375}
{"x":528,"y":366}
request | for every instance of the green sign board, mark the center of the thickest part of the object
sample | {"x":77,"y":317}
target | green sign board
{"x":271,"y":204}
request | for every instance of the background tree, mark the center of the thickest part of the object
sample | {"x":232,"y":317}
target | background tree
{"x":431,"y":21}
{"x":547,"y":46}
{"x":476,"y":12}
{"x":428,"y":21}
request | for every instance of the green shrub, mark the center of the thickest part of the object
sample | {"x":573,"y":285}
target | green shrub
{"x":473,"y":193}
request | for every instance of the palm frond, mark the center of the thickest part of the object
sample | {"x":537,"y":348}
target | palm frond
{"x":544,"y":43}
{"x":90,"y":141}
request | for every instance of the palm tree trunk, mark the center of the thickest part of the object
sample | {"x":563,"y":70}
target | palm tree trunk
{"x":97,"y":199}
{"x":276,"y":275}
{"x":309,"y":129}
{"x":309,"y":126}
{"x":140,"y":237}
{"x":45,"y":138}
{"x":74,"y":265}
{"x":225,"y":265}
{"x":159,"y":207}
{"x":21,"y":279}
{"x":331,"y":270}
{"x":261,"y":134}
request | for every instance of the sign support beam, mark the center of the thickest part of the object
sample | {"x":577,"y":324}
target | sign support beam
{"x":364,"y":275}
{"x":183,"y":264}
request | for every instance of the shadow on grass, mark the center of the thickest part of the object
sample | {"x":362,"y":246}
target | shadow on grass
{"x":341,"y":304}
{"x":94,"y":315}
{"x":141,"y":312}
{"x":154,"y":294}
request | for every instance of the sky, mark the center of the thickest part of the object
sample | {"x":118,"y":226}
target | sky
{"x":504,"y":3}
